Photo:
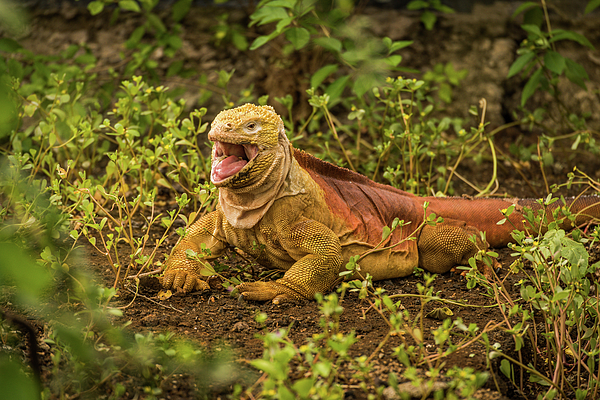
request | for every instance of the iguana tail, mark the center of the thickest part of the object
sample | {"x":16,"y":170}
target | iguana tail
{"x":485,"y":214}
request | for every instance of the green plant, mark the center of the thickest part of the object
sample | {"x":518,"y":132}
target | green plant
{"x":558,"y":290}
{"x":445,"y":76}
{"x":540,"y":60}
{"x":314,"y":24}
{"x":89,"y":346}
{"x":397,"y":135}
{"x":429,"y":7}
{"x":166,"y":36}
{"x":145,"y":135}
{"x":557,"y":314}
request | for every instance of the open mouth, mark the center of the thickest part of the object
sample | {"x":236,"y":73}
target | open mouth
{"x":229,"y":159}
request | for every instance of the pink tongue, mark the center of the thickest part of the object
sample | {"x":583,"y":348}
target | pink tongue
{"x":226,"y":168}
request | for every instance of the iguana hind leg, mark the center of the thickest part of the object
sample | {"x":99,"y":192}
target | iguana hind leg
{"x":447,"y":244}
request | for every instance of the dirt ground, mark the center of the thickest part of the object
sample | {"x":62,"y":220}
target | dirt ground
{"x":483,"y":41}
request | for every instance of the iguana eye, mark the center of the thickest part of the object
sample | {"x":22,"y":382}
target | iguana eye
{"x":251,"y":125}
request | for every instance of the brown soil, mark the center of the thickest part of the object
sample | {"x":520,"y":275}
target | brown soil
{"x":483,"y":42}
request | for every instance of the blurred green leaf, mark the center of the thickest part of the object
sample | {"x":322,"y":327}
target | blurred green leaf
{"x":20,"y":270}
{"x":9,"y":45}
{"x":299,"y":37}
{"x":95,"y":7}
{"x":14,"y":383}
{"x":180,"y":9}
{"x":576,"y":73}
{"x":524,"y":7}
{"x":559,"y":34}
{"x":554,"y":62}
{"x":428,"y":19}
{"x":129,"y":5}
{"x":531,"y":86}
{"x":591,"y":6}
{"x":322,"y":74}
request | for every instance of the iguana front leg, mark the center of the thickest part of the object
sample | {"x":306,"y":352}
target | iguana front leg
{"x":184,"y":274}
{"x":319,"y":256}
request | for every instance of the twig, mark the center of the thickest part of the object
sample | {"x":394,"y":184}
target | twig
{"x":156,"y":271}
{"x":154,"y":301}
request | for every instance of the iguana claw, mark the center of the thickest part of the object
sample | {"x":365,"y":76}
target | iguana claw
{"x":182,"y":281}
{"x":262,"y":291}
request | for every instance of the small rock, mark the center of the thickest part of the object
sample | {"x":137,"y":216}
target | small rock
{"x":150,"y":320}
{"x":240,"y":327}
{"x":414,"y":392}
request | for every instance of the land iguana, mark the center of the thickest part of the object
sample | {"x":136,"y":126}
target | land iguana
{"x":294,"y":212}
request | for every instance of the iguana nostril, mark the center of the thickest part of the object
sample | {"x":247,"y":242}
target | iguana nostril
{"x":229,"y":126}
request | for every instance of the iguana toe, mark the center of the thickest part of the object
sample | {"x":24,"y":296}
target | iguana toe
{"x":263,"y":291}
{"x":182,"y":281}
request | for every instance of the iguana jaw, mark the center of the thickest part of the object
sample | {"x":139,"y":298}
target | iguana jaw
{"x":230,"y":160}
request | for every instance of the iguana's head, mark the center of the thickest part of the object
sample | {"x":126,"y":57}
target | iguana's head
{"x":245,"y":144}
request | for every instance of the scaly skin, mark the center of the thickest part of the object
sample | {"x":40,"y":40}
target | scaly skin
{"x":294,"y":212}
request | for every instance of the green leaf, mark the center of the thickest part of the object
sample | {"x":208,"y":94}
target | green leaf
{"x":175,"y":42}
{"x":19,"y":270}
{"x":336,"y":89}
{"x":520,"y":63}
{"x":266,"y":15}
{"x":239,"y":41}
{"x":156,"y":22}
{"x":591,"y":6}
{"x":428,"y":19}
{"x":329,"y":43}
{"x":283,"y":3}
{"x":30,"y":109}
{"x":524,"y":7}
{"x":385,"y":232}
{"x":445,"y":92}
{"x":399,"y":45}
{"x":9,"y":46}
{"x":322,"y":368}
{"x":15,"y":68}
{"x":174,"y":68}
{"x":417,"y":5}
{"x":322,"y":74}
{"x":284,"y":393}
{"x":303,"y":386}
{"x":561,"y":295}
{"x":259,"y":41}
{"x":95,"y":7}
{"x":135,"y":37}
{"x":364,"y":83}
{"x":299,"y":37}
{"x":86,"y":59}
{"x":15,"y":384}
{"x":531,"y":86}
{"x":532,"y":29}
{"x":506,"y":368}
{"x":129,"y":5}
{"x":269,"y":367}
{"x":576,"y":73}
{"x":283,"y":23}
{"x":445,"y":9}
{"x":554,"y":62}
{"x":560,"y":34}
{"x":393,"y":60}
{"x":180,"y":9}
